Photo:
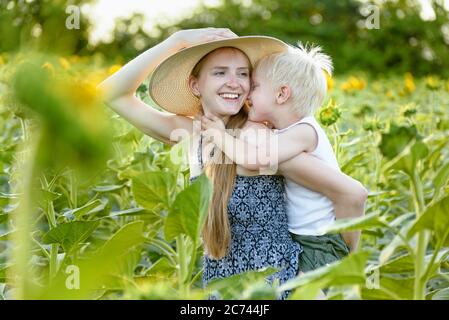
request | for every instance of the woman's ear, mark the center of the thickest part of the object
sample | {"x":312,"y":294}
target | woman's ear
{"x":283,"y":94}
{"x":193,"y":84}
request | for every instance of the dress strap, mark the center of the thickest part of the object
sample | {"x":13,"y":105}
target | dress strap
{"x":200,"y":152}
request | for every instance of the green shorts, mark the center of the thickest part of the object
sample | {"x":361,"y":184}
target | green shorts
{"x":320,"y":250}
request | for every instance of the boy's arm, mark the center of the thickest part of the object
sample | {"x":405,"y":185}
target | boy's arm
{"x":258,"y":147}
{"x":347,"y":194}
{"x":271,"y":149}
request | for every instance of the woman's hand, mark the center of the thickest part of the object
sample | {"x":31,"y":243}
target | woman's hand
{"x":191,"y":37}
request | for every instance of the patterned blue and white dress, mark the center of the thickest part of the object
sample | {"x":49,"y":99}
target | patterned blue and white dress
{"x":259,"y":231}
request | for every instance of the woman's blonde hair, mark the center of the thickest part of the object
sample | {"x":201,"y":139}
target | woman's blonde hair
{"x":217,"y":230}
{"x":221,"y":171}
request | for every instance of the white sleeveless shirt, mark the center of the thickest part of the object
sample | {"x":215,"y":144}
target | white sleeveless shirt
{"x":309,"y":212}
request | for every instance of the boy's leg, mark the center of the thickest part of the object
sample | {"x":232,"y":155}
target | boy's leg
{"x":319,"y":251}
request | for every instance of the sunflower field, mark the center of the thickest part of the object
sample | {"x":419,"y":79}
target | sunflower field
{"x":91,"y":208}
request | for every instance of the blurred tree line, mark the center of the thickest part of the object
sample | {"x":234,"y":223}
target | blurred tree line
{"x":403,"y":42}
{"x":41,"y":25}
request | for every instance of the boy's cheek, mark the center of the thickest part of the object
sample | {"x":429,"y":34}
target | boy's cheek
{"x":252,"y":114}
{"x":255,"y":116}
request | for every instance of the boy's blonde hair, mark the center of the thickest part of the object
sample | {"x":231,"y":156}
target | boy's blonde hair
{"x":303,"y":69}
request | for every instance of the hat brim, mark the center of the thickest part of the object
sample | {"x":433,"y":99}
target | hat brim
{"x":169,"y":82}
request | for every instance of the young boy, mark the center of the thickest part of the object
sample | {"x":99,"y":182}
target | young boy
{"x":287,"y":89}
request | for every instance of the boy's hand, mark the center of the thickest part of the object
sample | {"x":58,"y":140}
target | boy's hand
{"x":212,"y":128}
{"x":351,"y":239}
{"x":212,"y":122}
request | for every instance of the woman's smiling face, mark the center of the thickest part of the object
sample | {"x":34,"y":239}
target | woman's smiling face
{"x":223,"y":82}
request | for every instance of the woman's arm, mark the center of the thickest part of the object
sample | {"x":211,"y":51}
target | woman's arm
{"x":347,"y":194}
{"x":119,"y":89}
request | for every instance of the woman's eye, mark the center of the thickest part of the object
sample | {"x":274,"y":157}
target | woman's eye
{"x":219,"y":73}
{"x":244,"y":74}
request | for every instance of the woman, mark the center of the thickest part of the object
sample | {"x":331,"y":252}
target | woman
{"x":246,"y":228}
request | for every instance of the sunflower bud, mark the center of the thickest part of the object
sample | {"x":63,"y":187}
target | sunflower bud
{"x":432,"y":83}
{"x":329,"y":114}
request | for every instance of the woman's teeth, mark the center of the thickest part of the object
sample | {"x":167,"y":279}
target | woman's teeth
{"x":229,"y":95}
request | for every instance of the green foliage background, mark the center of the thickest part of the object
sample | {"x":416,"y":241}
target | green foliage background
{"x":80,"y":187}
{"x":403,"y":42}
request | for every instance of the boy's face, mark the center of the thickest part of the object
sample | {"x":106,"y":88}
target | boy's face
{"x":262,"y":97}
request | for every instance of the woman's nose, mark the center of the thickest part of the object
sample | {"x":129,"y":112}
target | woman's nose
{"x":232,"y":82}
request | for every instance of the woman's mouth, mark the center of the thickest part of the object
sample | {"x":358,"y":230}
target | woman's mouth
{"x":230,"y":97}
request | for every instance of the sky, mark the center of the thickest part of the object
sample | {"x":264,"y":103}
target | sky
{"x":102,"y":13}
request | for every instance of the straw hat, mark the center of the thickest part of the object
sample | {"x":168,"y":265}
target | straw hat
{"x":169,"y":83}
